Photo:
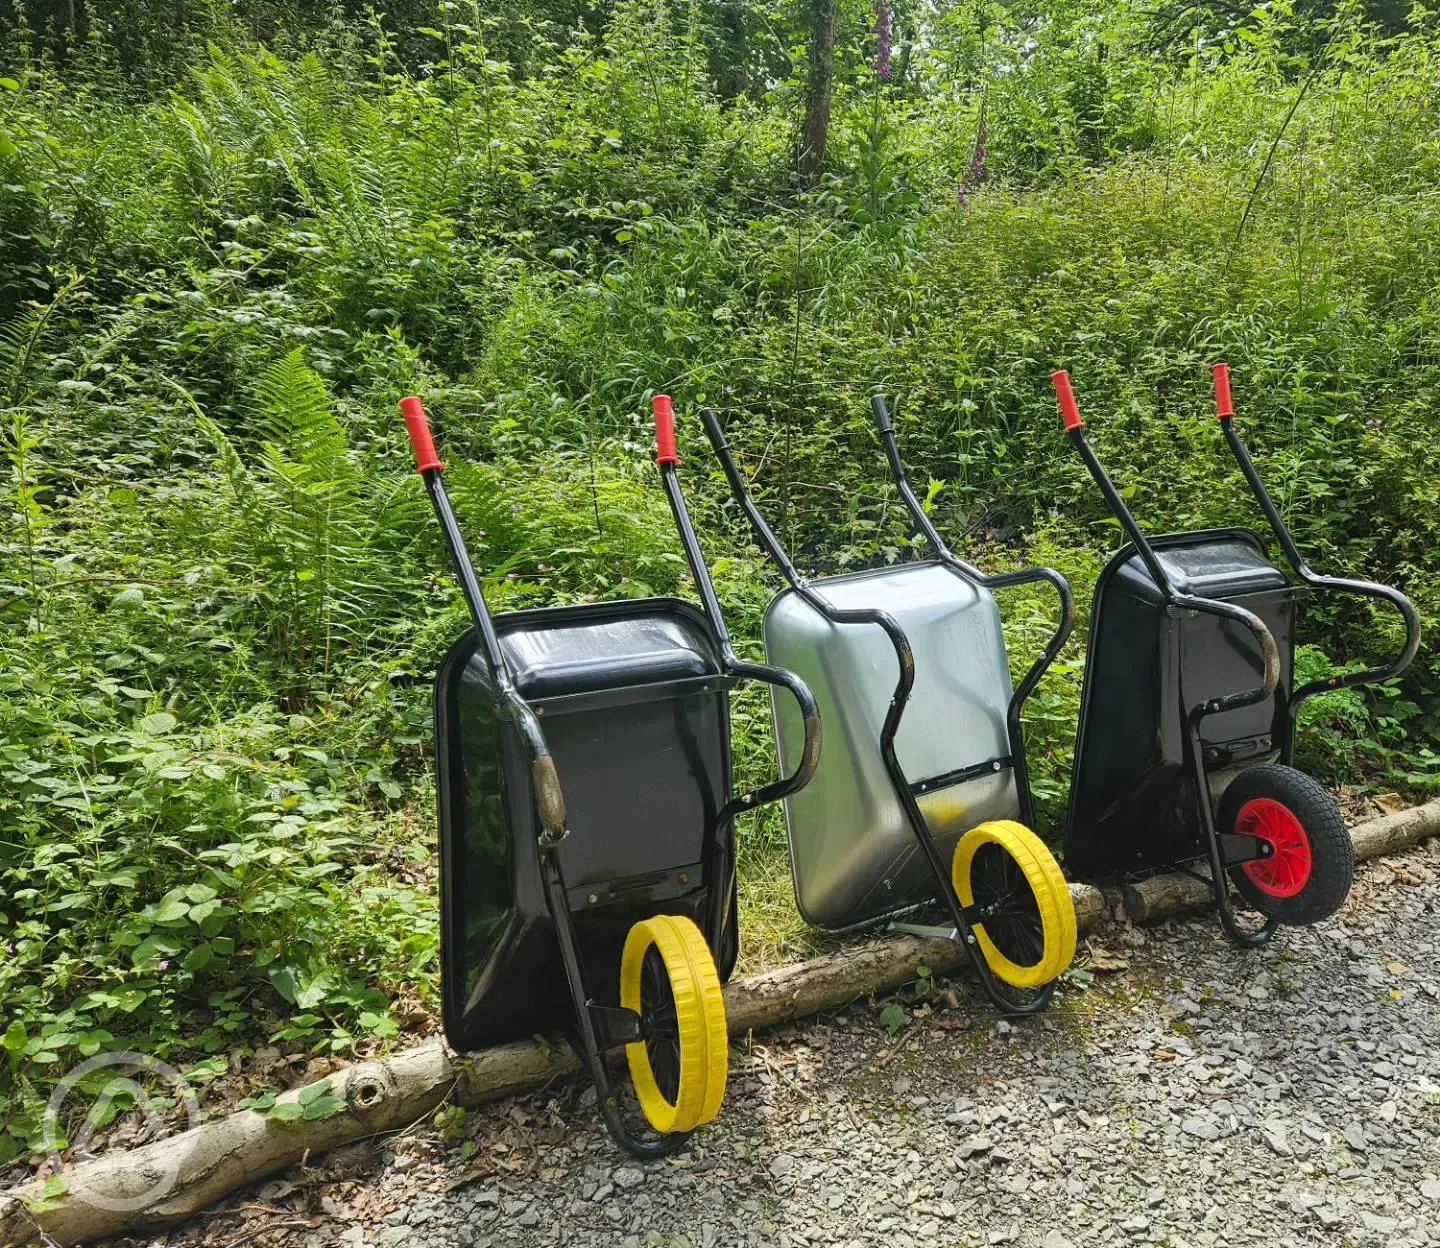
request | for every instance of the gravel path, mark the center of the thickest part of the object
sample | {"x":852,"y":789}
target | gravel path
{"x":1200,"y":1096}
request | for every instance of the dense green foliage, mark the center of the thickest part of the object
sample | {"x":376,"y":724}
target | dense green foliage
{"x":221,"y":593}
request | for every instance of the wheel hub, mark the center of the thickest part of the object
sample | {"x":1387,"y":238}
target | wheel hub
{"x":1285,"y":869}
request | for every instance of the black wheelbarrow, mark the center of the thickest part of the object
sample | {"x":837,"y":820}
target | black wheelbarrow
{"x":923,"y":795}
{"x":1186,"y":745}
{"x":587,"y":867}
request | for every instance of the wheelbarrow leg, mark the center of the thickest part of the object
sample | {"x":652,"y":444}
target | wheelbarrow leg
{"x":591,"y":1052}
{"x":1026,"y":1001}
{"x":1214,"y":851}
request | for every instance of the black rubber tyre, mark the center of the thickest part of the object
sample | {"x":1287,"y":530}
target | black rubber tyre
{"x":1331,"y":852}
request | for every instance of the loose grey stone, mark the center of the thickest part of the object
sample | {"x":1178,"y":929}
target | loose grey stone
{"x":1275,"y":1137}
{"x":629,"y":1177}
{"x":1051,"y":1134}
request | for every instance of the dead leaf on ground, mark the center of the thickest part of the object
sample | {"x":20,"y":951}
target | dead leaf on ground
{"x":481,"y":1170}
{"x":1102,"y":959}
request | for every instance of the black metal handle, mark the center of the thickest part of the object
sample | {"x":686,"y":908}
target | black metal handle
{"x":735,"y":666}
{"x":1063,"y":628}
{"x":764,"y":534}
{"x":1003,"y":580}
{"x":810,"y":750}
{"x":1189,"y":602}
{"x":548,"y":796}
{"x":1368,"y":589}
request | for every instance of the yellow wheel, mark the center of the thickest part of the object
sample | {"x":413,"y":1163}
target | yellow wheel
{"x":1028,"y":937}
{"x":668,"y":977}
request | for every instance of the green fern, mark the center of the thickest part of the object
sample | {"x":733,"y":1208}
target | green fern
{"x":310,"y":522}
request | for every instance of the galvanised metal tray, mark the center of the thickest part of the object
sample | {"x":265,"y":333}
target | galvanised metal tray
{"x":853,"y":855}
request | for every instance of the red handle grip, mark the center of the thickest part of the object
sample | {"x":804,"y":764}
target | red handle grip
{"x":420,"y":440}
{"x":1224,"y":409}
{"x":665,"y":452}
{"x":1068,"y":407}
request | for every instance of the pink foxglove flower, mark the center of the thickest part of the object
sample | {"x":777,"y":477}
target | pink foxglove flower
{"x":882,"y":42}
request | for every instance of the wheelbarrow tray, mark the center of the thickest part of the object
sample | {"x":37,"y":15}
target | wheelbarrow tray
{"x":853,"y":854}
{"x":635,"y":711}
{"x":1133,"y":805}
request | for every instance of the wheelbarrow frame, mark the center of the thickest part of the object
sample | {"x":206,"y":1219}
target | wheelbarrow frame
{"x":1222,"y":850}
{"x":963,"y":918}
{"x":601,"y":1027}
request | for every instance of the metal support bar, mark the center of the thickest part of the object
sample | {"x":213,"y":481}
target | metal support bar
{"x":961,"y":774}
{"x":1219,"y":875}
{"x":1235,"y":849}
{"x":615,"y":1026}
{"x":592,"y":1049}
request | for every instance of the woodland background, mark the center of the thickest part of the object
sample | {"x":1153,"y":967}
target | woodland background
{"x":233,"y":234}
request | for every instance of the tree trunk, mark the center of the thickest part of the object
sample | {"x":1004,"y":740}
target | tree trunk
{"x":816,"y":134}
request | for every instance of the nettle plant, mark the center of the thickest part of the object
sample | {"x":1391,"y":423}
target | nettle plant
{"x":251,"y":865}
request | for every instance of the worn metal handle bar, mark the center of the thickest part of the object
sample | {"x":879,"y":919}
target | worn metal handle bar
{"x":1270,"y":653}
{"x":668,"y":460}
{"x":1368,"y":589}
{"x":548,"y":797}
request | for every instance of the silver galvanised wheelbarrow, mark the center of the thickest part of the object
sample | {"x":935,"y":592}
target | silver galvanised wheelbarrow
{"x":923,"y":793}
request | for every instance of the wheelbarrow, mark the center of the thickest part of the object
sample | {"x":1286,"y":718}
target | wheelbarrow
{"x":1186,"y":745}
{"x":587,"y":867}
{"x":923,"y":794}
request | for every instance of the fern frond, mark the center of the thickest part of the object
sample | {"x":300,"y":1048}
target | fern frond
{"x":294,"y":416}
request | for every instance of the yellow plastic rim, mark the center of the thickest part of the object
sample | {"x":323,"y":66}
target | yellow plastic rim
{"x":699,"y":1016}
{"x":1045,"y":880}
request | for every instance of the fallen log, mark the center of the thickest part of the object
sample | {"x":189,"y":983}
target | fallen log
{"x":169,"y":1180}
{"x":1160,"y":895}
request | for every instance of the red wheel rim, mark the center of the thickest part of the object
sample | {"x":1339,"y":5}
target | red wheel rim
{"x":1287,"y":870}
